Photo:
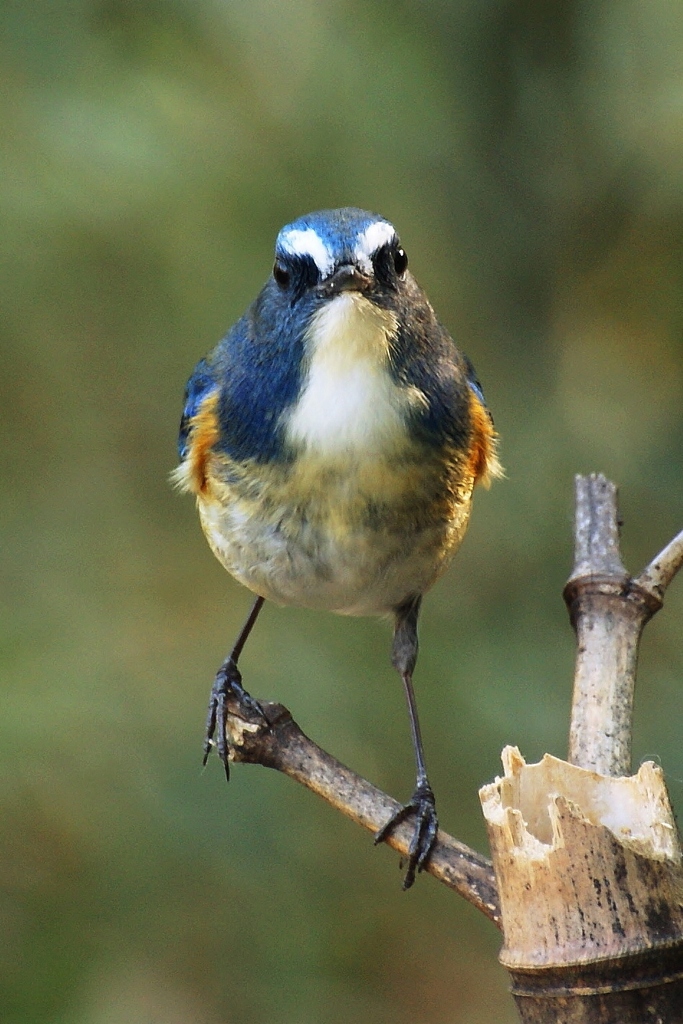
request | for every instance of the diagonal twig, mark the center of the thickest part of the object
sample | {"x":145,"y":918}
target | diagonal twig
{"x":657,"y":576}
{"x":276,"y":741}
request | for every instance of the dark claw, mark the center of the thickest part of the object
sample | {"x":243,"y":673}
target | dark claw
{"x":227,"y":693}
{"x":423,"y":806}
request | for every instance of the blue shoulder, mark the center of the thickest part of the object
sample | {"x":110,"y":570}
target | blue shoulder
{"x":256,"y":369}
{"x":201,"y":383}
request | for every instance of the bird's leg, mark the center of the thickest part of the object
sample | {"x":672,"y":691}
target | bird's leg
{"x":422,"y":803}
{"x":228,"y":684}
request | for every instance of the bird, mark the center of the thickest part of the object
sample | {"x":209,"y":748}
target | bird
{"x":333,"y":439}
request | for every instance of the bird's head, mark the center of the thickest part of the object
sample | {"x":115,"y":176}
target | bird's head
{"x":323,"y":254}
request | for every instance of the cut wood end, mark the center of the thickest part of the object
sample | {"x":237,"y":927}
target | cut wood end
{"x":530,"y":800}
{"x":584,"y":862}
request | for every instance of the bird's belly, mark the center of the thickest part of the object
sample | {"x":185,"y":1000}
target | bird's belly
{"x":359,"y":543}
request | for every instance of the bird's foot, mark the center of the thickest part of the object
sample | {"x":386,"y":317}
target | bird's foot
{"x":423,"y":806}
{"x":228,"y":696}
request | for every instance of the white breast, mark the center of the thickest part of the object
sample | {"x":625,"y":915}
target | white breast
{"x":349,"y":403}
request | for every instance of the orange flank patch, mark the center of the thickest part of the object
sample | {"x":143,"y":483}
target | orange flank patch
{"x":192,"y":475}
{"x":483,"y":461}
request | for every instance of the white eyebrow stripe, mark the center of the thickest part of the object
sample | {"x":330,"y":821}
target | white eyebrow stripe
{"x":308,"y":243}
{"x":372,"y":239}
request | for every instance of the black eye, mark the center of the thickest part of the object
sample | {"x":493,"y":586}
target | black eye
{"x":400,"y":261}
{"x":281,"y":275}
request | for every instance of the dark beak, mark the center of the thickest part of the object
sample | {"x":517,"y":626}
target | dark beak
{"x":346,"y":278}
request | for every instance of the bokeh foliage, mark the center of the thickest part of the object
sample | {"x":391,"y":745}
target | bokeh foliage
{"x":532,"y":157}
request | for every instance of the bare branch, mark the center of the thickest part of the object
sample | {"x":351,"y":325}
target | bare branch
{"x":608,"y":611}
{"x":276,"y":741}
{"x":657,"y":576}
{"x":596,"y":528}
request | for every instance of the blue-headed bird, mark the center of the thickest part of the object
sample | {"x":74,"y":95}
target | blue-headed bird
{"x":333,"y":439}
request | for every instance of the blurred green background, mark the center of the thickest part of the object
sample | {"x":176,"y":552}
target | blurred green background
{"x":532,"y":157}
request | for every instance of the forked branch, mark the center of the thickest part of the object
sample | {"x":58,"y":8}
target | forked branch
{"x":587,"y":857}
{"x":608,"y":610}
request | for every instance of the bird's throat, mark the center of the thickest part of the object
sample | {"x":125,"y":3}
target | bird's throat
{"x":349,"y":403}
